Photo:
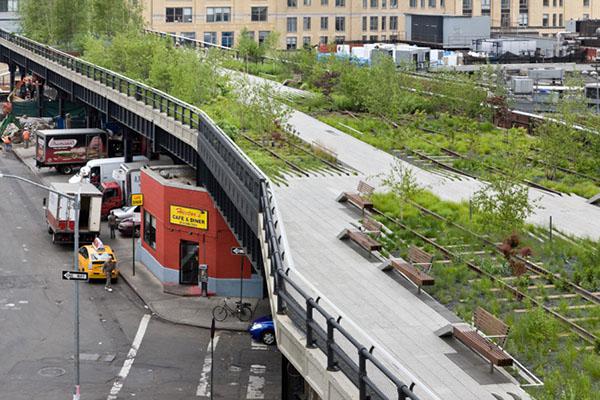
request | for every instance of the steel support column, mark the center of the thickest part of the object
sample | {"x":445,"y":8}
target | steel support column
{"x":12,"y":68}
{"x":127,"y":145}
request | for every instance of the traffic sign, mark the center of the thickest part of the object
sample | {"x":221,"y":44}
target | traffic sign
{"x":137,"y":199}
{"x":238,"y":251}
{"x":74,"y":276}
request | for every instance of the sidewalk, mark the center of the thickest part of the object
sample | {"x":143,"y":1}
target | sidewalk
{"x":186,"y":309}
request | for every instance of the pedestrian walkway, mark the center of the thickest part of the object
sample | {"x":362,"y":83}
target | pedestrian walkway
{"x":570,"y":214}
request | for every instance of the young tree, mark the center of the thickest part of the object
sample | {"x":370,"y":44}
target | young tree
{"x":401,"y":181}
{"x":503,"y":204}
{"x":247,"y":48}
{"x":109,"y":17}
{"x":558,"y":139}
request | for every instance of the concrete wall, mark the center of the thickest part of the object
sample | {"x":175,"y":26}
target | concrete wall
{"x":459,"y":32}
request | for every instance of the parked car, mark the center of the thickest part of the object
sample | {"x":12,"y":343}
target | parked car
{"x":263,"y":330}
{"x":125,"y":212}
{"x":127,"y":225}
{"x":92,"y":257}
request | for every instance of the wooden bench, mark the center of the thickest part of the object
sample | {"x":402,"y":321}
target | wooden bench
{"x":364,"y":235}
{"x":417,"y":267}
{"x":360,"y":198}
{"x":487,"y":327}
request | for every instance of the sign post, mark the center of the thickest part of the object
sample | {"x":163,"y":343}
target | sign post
{"x":239,"y":251}
{"x":136,"y":199}
{"x":212,"y":357}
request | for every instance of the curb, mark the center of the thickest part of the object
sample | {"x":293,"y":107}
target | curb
{"x":171,"y":320}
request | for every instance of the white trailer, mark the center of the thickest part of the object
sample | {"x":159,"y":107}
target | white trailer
{"x":60,"y":212}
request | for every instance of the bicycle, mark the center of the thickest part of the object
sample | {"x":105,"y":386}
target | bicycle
{"x":241,"y":310}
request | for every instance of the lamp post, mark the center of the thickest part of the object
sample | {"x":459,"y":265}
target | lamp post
{"x":76,"y":206}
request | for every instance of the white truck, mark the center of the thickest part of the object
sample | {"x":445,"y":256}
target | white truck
{"x":60,"y":212}
{"x":101,"y":169}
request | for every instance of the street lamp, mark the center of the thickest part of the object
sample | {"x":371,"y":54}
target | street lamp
{"x":76,"y":206}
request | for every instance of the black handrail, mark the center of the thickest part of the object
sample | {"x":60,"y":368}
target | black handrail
{"x":256,"y":184}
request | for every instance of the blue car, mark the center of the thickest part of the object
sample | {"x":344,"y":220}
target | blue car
{"x":263,"y":330}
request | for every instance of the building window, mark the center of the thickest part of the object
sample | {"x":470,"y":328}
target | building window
{"x":383,"y":23}
{"x":9,"y":5}
{"x":324,"y":2}
{"x":218,"y":14}
{"x":523,"y":19}
{"x":553,"y":19}
{"x":412,"y":3}
{"x":149,"y":229}
{"x":292,"y":24}
{"x":262,"y":36}
{"x":364,"y":23}
{"x":560,"y":19}
{"x":365,"y":3}
{"x":291,"y":43}
{"x":324,"y":23}
{"x":393,"y":23}
{"x":306,"y":41}
{"x":383,"y":38}
{"x":179,"y":14}
{"x":383,"y":3}
{"x":422,"y":3}
{"x":393,"y":38}
{"x":374,"y":23}
{"x":210,"y":37}
{"x":364,"y":38}
{"x":393,"y":3}
{"x":249,"y":34}
{"x":306,"y":23}
{"x":323,"y":39}
{"x":560,"y":3}
{"x":340,"y":24}
{"x":432,"y":3}
{"x":553,"y":3}
{"x":467,"y":7}
{"x":373,"y":38}
{"x":292,"y":3}
{"x":340,"y":3}
{"x":505,"y":19}
{"x":374,"y":3}
{"x":546,"y":3}
{"x":259,"y":14}
{"x":340,"y":39}
{"x":227,"y":39}
{"x":442,"y":4}
{"x":485,"y":7}
{"x":545,"y":20}
{"x":307,"y":2}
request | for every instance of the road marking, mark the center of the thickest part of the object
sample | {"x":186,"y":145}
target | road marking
{"x":204,"y":384}
{"x":137,"y":341}
{"x":256,"y":382}
{"x":258,"y":346}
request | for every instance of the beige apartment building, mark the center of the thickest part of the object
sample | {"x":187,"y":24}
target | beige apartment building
{"x":308,"y":22}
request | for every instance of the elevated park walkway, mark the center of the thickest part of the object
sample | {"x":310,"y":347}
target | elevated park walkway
{"x":350,"y":330}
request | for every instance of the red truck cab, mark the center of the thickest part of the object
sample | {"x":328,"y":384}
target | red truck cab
{"x":112,"y":196}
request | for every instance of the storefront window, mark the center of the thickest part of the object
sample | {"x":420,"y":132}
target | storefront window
{"x":149,"y":229}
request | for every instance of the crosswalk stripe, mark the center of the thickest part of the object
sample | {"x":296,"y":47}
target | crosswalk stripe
{"x":204,"y":386}
{"x":256,"y":382}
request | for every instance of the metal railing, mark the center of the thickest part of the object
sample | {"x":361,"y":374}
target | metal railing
{"x":189,"y":42}
{"x":216,"y":148}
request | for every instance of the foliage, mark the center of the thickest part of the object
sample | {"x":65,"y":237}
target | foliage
{"x":503,"y":204}
{"x":402,"y":182}
{"x":65,"y":23}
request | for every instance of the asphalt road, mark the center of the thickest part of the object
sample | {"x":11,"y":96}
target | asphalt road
{"x":36,"y":327}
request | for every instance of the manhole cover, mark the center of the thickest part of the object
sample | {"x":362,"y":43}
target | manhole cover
{"x":51,"y":372}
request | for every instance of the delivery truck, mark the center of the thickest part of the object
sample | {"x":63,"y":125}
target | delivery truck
{"x":126,"y":181}
{"x":101,"y":170}
{"x":60,"y":212}
{"x":66,"y":149}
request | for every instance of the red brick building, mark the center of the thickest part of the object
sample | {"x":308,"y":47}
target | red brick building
{"x":182,"y":229}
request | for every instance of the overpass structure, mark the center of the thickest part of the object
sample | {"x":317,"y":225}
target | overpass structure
{"x":333,"y":347}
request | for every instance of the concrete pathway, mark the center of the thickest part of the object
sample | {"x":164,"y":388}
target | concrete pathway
{"x":571,"y":214}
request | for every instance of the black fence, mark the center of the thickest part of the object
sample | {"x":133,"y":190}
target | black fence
{"x":242,"y":192}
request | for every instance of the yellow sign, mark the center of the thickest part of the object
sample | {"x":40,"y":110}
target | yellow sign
{"x":137,"y":199}
{"x":188,"y":217}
